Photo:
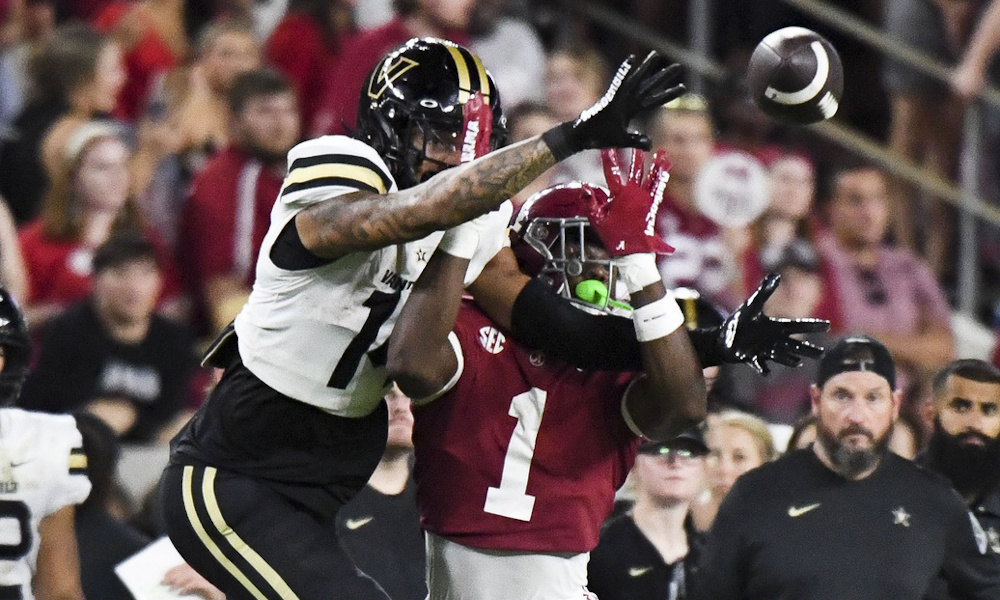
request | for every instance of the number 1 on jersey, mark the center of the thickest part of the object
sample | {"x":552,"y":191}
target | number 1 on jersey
{"x":511,"y":498}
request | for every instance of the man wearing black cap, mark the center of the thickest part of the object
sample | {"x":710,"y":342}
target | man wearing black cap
{"x":844,"y":518}
{"x":650,"y":551}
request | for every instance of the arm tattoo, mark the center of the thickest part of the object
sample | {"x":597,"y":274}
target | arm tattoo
{"x":365,"y":221}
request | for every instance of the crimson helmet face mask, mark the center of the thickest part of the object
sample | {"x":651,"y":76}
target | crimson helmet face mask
{"x":16,"y":348}
{"x":415,"y":97}
{"x":550,"y":239}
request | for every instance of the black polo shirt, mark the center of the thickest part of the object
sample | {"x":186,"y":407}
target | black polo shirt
{"x":625,"y":565}
{"x":795,"y":530}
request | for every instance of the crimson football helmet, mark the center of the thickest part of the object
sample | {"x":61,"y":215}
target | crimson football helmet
{"x":16,"y":349}
{"x":421,"y":87}
{"x":550,"y":239}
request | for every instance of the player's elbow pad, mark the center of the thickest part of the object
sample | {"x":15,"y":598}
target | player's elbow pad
{"x":544,"y":320}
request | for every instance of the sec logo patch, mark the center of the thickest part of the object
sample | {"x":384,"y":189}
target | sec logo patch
{"x":492,"y":340}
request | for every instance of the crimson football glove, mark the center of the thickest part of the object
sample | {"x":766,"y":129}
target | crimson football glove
{"x":749,"y":336}
{"x":477,"y":127}
{"x":626,"y":222}
{"x":636,"y":88}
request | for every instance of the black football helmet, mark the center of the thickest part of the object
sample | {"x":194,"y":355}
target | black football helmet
{"x":16,"y":349}
{"x":421,"y":87}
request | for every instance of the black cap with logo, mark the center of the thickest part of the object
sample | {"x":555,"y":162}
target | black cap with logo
{"x":857,"y":353}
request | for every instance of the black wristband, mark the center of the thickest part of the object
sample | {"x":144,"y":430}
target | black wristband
{"x":558,"y":141}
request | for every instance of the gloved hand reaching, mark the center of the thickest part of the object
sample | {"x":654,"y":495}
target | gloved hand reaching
{"x":636,"y":88}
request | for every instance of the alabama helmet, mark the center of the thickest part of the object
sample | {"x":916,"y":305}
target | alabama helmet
{"x":550,"y":239}
{"x":16,"y":346}
{"x":423,"y":85}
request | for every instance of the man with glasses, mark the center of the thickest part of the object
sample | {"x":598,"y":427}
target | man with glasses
{"x":650,"y":551}
{"x":846,"y":518}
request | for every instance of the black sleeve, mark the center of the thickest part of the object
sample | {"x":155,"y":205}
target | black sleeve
{"x":54,"y":383}
{"x":971,"y":570}
{"x":542,"y":319}
{"x":289,"y":253}
{"x":721,"y":574}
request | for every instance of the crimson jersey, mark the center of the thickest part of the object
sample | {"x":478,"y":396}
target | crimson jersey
{"x":524,"y":453}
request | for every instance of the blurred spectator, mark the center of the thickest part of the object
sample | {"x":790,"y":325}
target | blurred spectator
{"x":188,"y":120}
{"x":575,"y":78}
{"x":652,"y":551}
{"x":803,"y":433}
{"x":380,"y":527}
{"x":414,"y":18}
{"x":703,"y":259}
{"x":37,"y":22}
{"x":526,"y":120}
{"x":74,"y":76}
{"x":104,"y":538}
{"x":13,"y":272}
{"x":266,"y":16}
{"x":229,"y":209}
{"x":137,"y":366}
{"x":783,"y":396}
{"x":969,"y":76}
{"x":883,"y":291}
{"x":154,"y":40}
{"x":87,"y":201}
{"x":511,"y":50}
{"x":905,"y":437}
{"x":926,"y":118}
{"x":305,"y":47}
{"x":737,"y":442}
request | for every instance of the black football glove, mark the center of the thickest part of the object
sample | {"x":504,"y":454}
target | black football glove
{"x":636,"y":88}
{"x":749,"y":336}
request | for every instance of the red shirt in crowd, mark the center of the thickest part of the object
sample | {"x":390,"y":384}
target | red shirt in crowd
{"x":525,"y":452}
{"x":226,"y":217}
{"x":144,"y":61}
{"x":60,"y":271}
{"x":339,"y":110}
{"x":298,"y":49}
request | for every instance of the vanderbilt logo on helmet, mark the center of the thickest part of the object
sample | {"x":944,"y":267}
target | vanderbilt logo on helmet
{"x":389,"y":72}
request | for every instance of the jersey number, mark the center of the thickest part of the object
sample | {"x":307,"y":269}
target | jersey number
{"x":17,"y":511}
{"x":382,"y":305}
{"x":511,"y":499}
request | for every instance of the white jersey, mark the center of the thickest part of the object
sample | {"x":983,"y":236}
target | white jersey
{"x":42,"y":469}
{"x":318,"y":335}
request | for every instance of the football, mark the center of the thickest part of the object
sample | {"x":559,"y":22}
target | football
{"x":795,"y":76}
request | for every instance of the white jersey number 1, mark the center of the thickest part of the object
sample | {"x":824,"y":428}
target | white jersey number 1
{"x":511,"y":498}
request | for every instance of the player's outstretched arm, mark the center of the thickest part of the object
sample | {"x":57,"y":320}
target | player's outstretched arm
{"x":367,"y":221}
{"x":670,"y":394}
{"x":58,"y":573}
{"x":421,"y":358}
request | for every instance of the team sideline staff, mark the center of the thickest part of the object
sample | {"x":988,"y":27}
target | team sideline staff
{"x":844,"y":519}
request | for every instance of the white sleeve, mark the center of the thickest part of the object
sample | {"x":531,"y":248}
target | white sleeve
{"x":70,"y":483}
{"x":489,"y":245}
{"x":331,"y":165}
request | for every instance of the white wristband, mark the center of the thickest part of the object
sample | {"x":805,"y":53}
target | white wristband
{"x":657,"y":319}
{"x":460,"y":241}
{"x":637,"y":271}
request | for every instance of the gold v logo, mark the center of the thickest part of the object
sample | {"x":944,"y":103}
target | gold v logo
{"x":389,"y":72}
{"x":797,"y":511}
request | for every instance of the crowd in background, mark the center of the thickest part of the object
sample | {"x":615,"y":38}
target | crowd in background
{"x":142,"y":144}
